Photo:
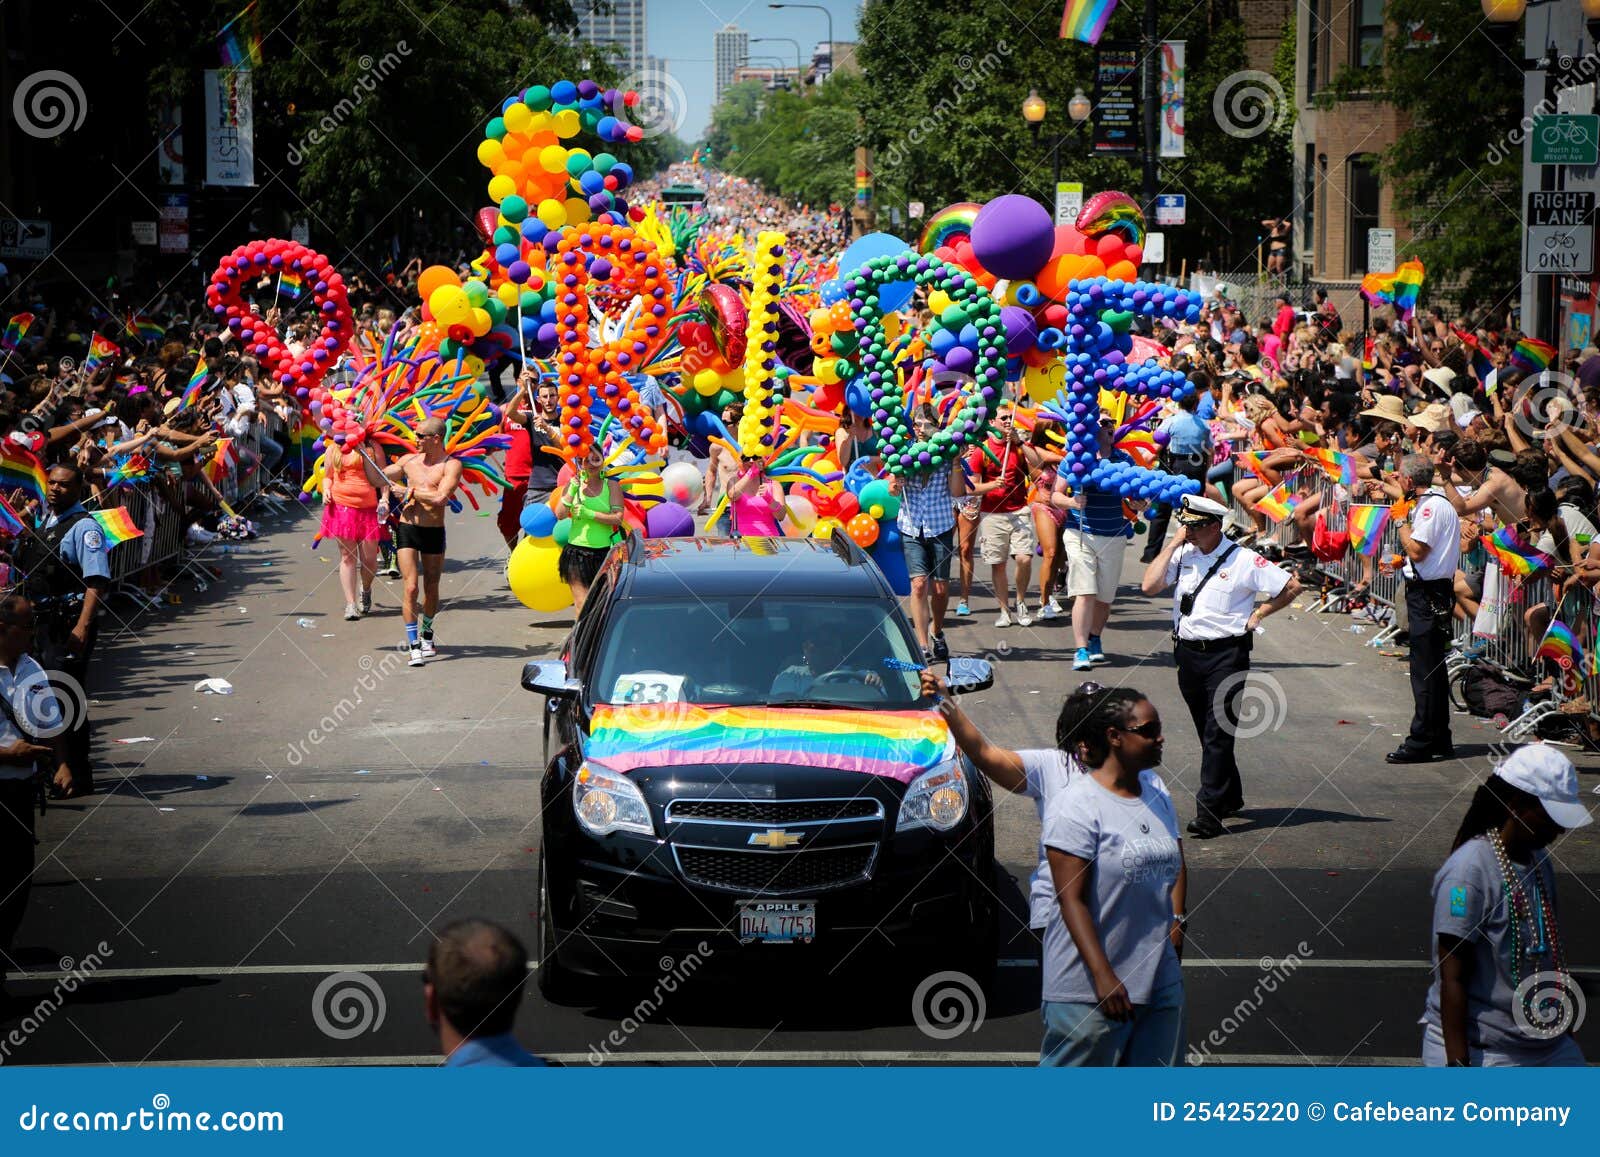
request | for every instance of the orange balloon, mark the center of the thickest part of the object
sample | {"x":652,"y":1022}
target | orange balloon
{"x":1052,"y":279}
{"x":1092,"y":267}
{"x":433,"y":277}
{"x":863,"y":528}
{"x":1123,"y":271}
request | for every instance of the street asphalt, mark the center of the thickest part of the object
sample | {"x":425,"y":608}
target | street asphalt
{"x":258,"y":876}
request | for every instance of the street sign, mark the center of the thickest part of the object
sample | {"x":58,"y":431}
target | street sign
{"x":1155,"y":249}
{"x":915,"y":210}
{"x":1560,"y":232}
{"x":24,"y":239}
{"x":1380,"y":250}
{"x":1069,"y":201}
{"x":300,"y":232}
{"x":172,"y":223}
{"x":1566,"y":139}
{"x":144,"y":232}
{"x":1171,"y":209}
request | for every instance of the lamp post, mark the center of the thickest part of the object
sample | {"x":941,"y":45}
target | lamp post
{"x":829,"y":15}
{"x":799,"y":70}
{"x":1034,"y":110}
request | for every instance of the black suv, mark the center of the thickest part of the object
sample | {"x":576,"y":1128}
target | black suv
{"x":743,"y":757}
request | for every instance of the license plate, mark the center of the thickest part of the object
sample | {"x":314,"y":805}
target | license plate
{"x":777,"y":922}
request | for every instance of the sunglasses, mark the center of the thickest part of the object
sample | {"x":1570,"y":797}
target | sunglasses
{"x":1151,"y":730}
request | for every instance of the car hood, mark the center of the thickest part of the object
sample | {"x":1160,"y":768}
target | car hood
{"x":897,"y":745}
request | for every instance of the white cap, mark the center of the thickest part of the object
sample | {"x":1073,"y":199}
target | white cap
{"x":1440,"y":376}
{"x":1198,"y":508}
{"x":1544,"y":772}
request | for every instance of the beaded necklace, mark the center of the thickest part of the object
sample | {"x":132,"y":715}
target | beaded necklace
{"x":1542,"y":930}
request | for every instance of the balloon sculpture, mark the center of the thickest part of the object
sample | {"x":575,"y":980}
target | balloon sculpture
{"x":297,"y":271}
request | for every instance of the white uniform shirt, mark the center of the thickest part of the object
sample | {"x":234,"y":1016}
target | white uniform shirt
{"x":1224,"y":607}
{"x":1435,"y":523}
{"x":27,"y":692}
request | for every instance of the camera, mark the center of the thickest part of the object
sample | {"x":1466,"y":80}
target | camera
{"x":1186,"y":604}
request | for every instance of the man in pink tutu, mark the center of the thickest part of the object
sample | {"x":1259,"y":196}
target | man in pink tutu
{"x":430,"y":478}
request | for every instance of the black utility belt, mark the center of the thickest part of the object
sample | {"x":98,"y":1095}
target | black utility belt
{"x":1423,"y":584}
{"x":1204,"y":645}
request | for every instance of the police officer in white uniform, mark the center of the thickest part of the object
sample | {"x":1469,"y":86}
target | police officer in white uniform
{"x":1214,"y":617}
{"x":1431,"y":540}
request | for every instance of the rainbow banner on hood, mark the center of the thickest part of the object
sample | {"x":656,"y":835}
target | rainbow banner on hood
{"x":898,"y":745}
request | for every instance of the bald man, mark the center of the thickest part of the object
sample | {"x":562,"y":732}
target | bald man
{"x":427,"y":481}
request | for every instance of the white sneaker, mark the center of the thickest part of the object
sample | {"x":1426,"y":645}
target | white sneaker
{"x":1024,"y":619}
{"x":416,"y":657}
{"x":1049,"y":610}
{"x":1004,"y":620}
{"x":200,"y":536}
{"x":428,"y":648}
{"x":351,"y":612}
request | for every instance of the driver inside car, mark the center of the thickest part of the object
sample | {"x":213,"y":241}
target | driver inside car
{"x":823,"y":662}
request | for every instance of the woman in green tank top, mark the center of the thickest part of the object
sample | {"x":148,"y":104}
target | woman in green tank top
{"x":594,"y":504}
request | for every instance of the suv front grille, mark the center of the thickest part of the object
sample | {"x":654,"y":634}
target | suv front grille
{"x":776,"y":873}
{"x":774,"y":812}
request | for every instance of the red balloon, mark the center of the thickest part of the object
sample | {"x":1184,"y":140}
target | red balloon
{"x":1068,"y":240}
{"x":1133,"y":253}
{"x":486,"y":220}
{"x":1109,"y":248}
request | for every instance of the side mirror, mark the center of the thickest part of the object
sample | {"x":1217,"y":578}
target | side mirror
{"x":549,"y":677}
{"x":967,"y":675}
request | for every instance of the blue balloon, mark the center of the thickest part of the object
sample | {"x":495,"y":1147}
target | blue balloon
{"x":896,"y":294}
{"x":831,"y":291}
{"x":859,"y":398}
{"x":538,"y":520}
{"x":891,"y":559}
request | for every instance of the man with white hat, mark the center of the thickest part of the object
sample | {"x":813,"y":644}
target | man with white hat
{"x":1441,"y":378}
{"x":1431,"y":540}
{"x":1214,"y":619}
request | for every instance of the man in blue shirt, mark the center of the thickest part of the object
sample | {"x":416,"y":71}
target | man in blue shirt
{"x":1188,"y":453}
{"x":471,"y":988}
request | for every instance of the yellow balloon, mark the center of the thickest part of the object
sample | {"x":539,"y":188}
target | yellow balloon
{"x":534,"y":577}
{"x":939,"y":301}
{"x":490,"y":152}
{"x":501,"y":187}
{"x":472,"y":364}
{"x":553,"y":213}
{"x":577,"y":211}
{"x":540,"y":123}
{"x":449,"y":305}
{"x":479,"y":322}
{"x":650,"y":486}
{"x":553,"y":159}
{"x":508,"y":294}
{"x":707,"y":382}
{"x":891,"y":326}
{"x":733,"y":380}
{"x":567,"y":124}
{"x":823,"y":370}
{"x":518,"y":117}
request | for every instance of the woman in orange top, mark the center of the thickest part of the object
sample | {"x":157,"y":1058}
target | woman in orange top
{"x":353,"y":515}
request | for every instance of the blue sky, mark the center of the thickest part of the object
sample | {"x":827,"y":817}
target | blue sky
{"x":680,"y":31}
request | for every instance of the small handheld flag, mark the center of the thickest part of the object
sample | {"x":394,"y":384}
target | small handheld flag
{"x":16,"y":330}
{"x":1399,"y":289}
{"x":20,"y":469}
{"x":1559,"y":644}
{"x":101,"y":350}
{"x":1532,"y":356}
{"x":1515,"y":559}
{"x":191,"y":392}
{"x":1278,"y":503}
{"x":1366,"y":525}
{"x":1339,"y":466}
{"x":117,"y":524}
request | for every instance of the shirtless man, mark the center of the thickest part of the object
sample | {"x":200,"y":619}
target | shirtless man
{"x":1492,"y":488}
{"x":430,"y":480}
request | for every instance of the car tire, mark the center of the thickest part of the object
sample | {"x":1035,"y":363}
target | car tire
{"x":557,"y":983}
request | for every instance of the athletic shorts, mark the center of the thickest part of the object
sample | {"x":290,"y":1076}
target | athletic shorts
{"x":1094,"y":564}
{"x":422,"y":539}
{"x":929,"y":556}
{"x":512,"y":500}
{"x":1009,"y":534}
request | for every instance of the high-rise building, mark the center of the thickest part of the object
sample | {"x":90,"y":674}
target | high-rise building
{"x":619,"y":32}
{"x":731,"y":47}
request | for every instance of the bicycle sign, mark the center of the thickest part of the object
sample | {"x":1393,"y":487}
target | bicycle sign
{"x":1560,"y":232}
{"x":1566,"y":139}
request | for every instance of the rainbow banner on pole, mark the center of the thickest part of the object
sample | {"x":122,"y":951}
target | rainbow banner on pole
{"x":1366,"y":525}
{"x":1277,"y":504}
{"x":16,"y":330}
{"x":191,"y":392}
{"x":1399,"y":289}
{"x":1085,"y":20}
{"x":1515,"y":559}
{"x":101,"y":350}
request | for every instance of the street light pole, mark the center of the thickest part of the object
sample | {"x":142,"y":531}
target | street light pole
{"x":1152,"y":105}
{"x":799,"y":71}
{"x":829,"y":15}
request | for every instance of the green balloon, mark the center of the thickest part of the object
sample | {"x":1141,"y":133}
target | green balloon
{"x":477,"y":292}
{"x":562,"y":531}
{"x":496,"y":130}
{"x":537,"y":98}
{"x":496,"y":310}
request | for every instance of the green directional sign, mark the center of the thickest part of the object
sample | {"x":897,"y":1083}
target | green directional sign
{"x":1566,"y":139}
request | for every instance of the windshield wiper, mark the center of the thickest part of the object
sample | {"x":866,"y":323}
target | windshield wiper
{"x":821,"y":703}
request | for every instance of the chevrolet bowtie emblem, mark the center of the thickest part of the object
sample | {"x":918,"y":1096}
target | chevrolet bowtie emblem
{"x":773,"y":838}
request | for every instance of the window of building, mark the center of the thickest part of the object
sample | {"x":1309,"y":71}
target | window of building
{"x":1320,"y":258}
{"x":1362,"y":192}
{"x":1369,"y":33}
{"x":1308,"y":195}
{"x":1312,"y":10}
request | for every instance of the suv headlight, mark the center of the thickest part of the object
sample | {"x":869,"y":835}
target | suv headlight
{"x":606,"y":802}
{"x":937,"y":799}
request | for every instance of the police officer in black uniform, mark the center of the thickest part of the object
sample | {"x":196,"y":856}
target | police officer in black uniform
{"x":1214,"y":617}
{"x":66,"y":567}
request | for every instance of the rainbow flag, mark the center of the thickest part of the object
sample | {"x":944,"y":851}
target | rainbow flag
{"x":220,"y":462}
{"x":1532,"y":356}
{"x":1482,"y":366}
{"x":1085,"y":20}
{"x":240,"y":46}
{"x":897,"y":745}
{"x":11,"y":524}
{"x":1559,"y":644}
{"x":1336,"y":464}
{"x":1277,"y":504}
{"x":1366,"y":525}
{"x":101,"y":350}
{"x":1515,"y":559}
{"x":16,"y":330}
{"x":292,"y":285}
{"x":21,"y":470}
{"x":130,"y":468}
{"x":1399,"y":289}
{"x":144,"y":329}
{"x":1251,"y":461}
{"x":191,"y":392}
{"x":117,"y":524}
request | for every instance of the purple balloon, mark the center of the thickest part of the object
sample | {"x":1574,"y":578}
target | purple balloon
{"x":1022,"y":332}
{"x":1012,"y":236}
{"x":668,"y":520}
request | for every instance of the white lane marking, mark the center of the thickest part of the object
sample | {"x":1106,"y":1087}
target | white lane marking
{"x":776,"y":1056}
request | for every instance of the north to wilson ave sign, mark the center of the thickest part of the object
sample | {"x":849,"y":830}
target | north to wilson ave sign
{"x":1560,"y":233}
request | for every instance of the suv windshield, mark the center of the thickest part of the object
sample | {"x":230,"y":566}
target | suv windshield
{"x":744,"y":651}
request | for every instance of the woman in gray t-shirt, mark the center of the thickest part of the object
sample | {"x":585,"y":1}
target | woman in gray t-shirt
{"x":1113,"y":987}
{"x":1501,"y":992}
